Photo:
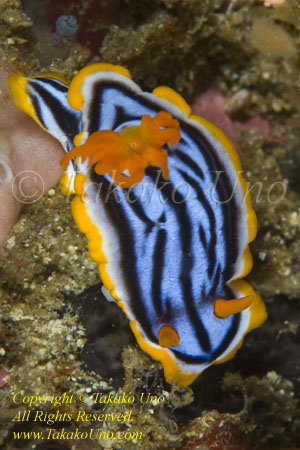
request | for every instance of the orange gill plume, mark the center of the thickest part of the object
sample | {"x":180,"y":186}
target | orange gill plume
{"x":131,"y":150}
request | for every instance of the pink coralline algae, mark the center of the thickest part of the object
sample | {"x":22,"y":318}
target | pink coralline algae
{"x":29,"y":159}
{"x":274,"y":3}
{"x":211,"y":105}
{"x":3,"y":374}
{"x":226,"y":436}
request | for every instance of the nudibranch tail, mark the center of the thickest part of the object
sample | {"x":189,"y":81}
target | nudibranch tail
{"x":44,"y":99}
{"x":132,"y":149}
{"x":172,"y":253}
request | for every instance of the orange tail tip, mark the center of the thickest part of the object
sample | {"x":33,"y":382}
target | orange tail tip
{"x":131,"y":150}
{"x":224,"y":308}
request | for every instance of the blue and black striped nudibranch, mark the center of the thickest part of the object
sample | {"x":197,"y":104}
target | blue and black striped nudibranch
{"x":161,"y":198}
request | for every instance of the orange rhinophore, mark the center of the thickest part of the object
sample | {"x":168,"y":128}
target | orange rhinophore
{"x":168,"y":337}
{"x":225,"y":308}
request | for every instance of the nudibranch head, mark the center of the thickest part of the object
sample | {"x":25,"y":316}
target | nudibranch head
{"x":131,"y":150}
{"x":173,"y":256}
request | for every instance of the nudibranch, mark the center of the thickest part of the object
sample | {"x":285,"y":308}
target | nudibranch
{"x":160,"y":195}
